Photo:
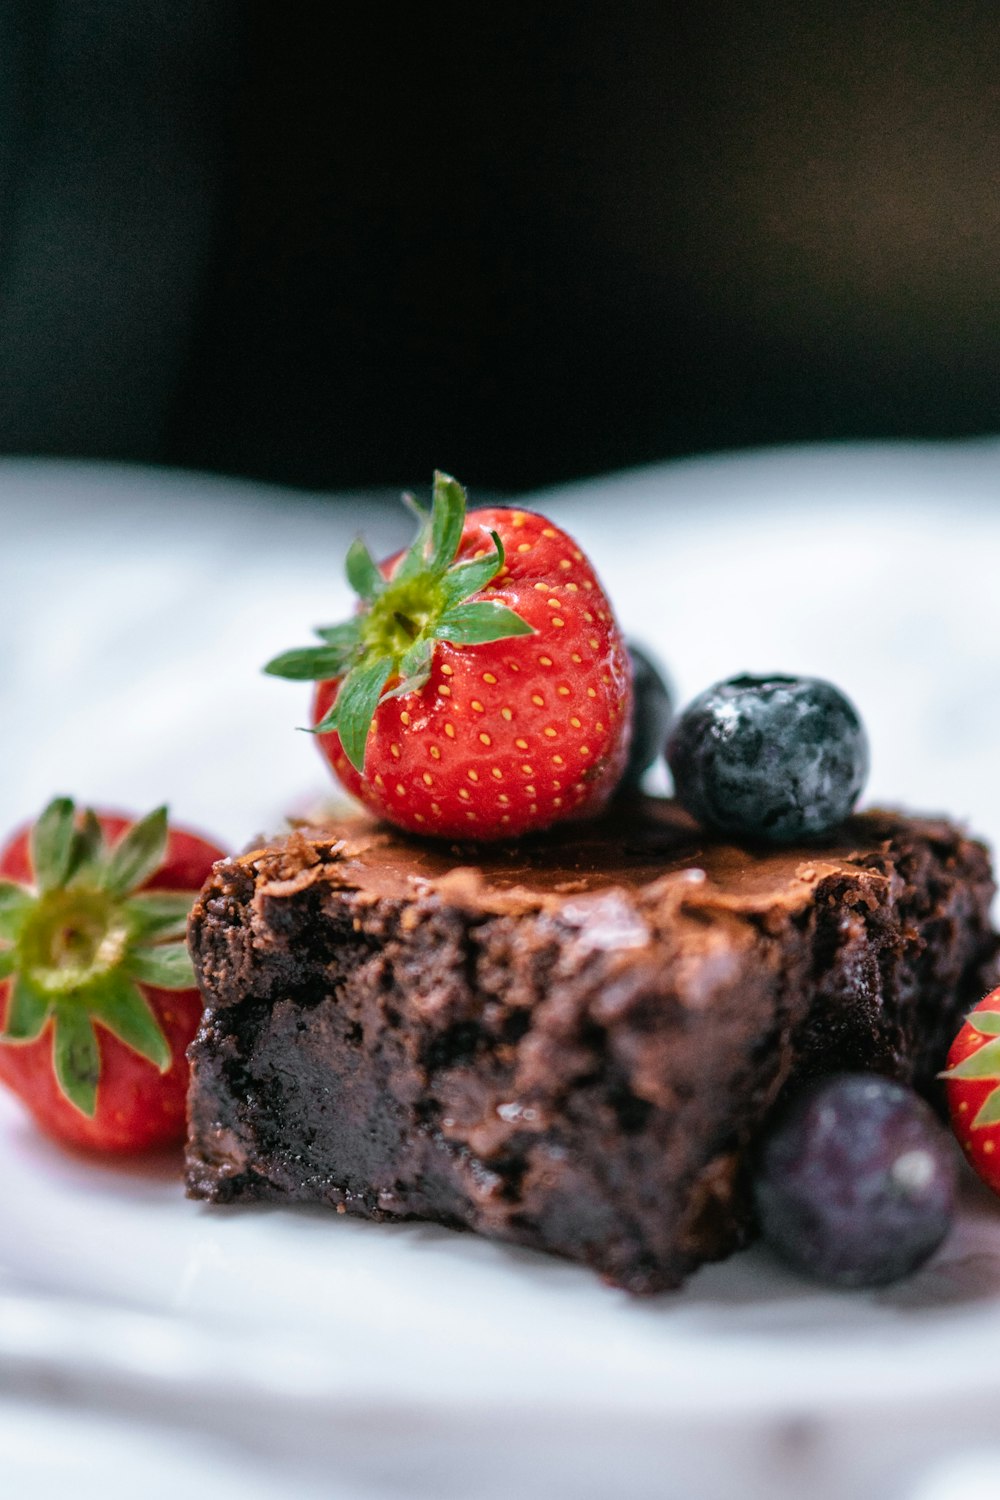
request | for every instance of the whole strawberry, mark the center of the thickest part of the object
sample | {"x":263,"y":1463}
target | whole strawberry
{"x":972,"y":1083}
{"x":483,"y":689}
{"x":96,"y":987}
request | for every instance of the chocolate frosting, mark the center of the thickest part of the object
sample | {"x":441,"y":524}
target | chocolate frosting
{"x":649,"y":844}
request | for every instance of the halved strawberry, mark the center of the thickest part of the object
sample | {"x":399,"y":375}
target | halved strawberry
{"x":97,"y":989}
{"x":483,"y":689}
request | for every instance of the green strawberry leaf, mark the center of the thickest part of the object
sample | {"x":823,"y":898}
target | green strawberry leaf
{"x":8,"y":962}
{"x":159,"y":914}
{"x":27,"y":1012}
{"x":423,"y":601}
{"x":468,"y":578}
{"x":309,"y":663}
{"x":15,"y":904}
{"x":355,"y":706}
{"x":447,"y":521}
{"x":477,"y":624}
{"x":989,"y":1112}
{"x":987,"y":1022}
{"x":52,"y":844}
{"x":77,"y":1057}
{"x":414,"y":560}
{"x":121,"y":1006}
{"x":88,"y":850}
{"x":362,"y":571}
{"x":168,"y":966}
{"x":416,"y":507}
{"x":415,"y":669}
{"x":345,"y":638}
{"x":982,"y":1064}
{"x":138,"y":854}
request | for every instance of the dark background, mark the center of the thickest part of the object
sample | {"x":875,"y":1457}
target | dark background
{"x":341,"y":245}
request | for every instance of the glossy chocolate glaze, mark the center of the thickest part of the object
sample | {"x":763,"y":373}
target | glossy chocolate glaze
{"x":643,"y":844}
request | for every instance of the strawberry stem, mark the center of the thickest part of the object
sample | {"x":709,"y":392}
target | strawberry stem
{"x":387,"y":649}
{"x":72,"y":939}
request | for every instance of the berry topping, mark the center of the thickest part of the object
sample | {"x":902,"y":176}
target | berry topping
{"x":96,"y":987}
{"x":652,"y":716}
{"x":482,"y":690}
{"x":774,"y":758}
{"x":856,"y":1181}
{"x":972,"y":1082}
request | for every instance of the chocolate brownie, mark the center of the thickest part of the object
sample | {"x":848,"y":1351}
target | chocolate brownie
{"x":570,"y":1043}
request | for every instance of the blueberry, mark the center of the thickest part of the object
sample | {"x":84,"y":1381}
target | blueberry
{"x":653,"y":714}
{"x":856,"y":1181}
{"x":775,"y":758}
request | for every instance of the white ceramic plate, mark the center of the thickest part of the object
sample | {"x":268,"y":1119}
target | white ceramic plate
{"x":361,"y":1359}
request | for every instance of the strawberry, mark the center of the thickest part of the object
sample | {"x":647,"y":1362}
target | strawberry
{"x":972,"y":1082}
{"x":96,"y":986}
{"x":483,"y":688}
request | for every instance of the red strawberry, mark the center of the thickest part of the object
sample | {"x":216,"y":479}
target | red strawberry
{"x":972,"y":1081}
{"x":93,"y":909}
{"x":483,"y":689}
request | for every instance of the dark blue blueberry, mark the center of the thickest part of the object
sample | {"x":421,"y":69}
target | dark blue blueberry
{"x":856,"y":1181}
{"x":775,"y":758}
{"x":653,"y":715}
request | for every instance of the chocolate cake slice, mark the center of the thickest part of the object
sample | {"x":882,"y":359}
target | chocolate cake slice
{"x":570,"y":1043}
